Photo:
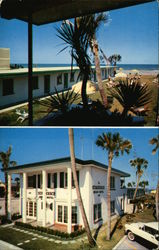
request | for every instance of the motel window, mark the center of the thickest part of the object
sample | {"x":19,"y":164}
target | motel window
{"x":60,"y":213}
{"x":112,"y":182}
{"x":32,"y":181}
{"x":49,"y":180}
{"x":59,"y":79}
{"x":55,"y":180}
{"x":35,"y":82}
{"x":31,"y":208}
{"x":97,"y":212}
{"x":39,"y":180}
{"x":63,"y":180}
{"x":112,"y":207}
{"x":8,"y":87}
{"x":74,"y":215}
{"x":65,"y":214}
{"x":72,"y":76}
{"x":73,"y":184}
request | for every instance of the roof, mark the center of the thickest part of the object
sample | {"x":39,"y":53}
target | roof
{"x":64,"y":160}
{"x":47,"y":11}
{"x":24,"y":71}
{"x":153,"y":225}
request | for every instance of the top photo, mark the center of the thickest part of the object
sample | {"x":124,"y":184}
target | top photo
{"x":79,"y":63}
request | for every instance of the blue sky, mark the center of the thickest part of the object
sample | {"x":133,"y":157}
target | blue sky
{"x":40,"y":144}
{"x":132,"y":32}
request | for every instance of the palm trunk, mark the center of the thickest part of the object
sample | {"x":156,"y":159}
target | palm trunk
{"x":124,"y":113}
{"x":109,"y":196}
{"x":134,"y":197}
{"x":98,"y":73}
{"x":157,"y":202}
{"x":83,"y":91}
{"x":84,"y":217}
{"x":6,"y":194}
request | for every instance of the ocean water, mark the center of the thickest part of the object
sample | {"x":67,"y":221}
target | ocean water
{"x":146,"y":67}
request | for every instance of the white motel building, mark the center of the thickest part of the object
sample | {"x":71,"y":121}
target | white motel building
{"x":48,"y":195}
{"x":14,"y":82}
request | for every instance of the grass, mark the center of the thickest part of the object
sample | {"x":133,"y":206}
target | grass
{"x":14,"y":237}
{"x":39,"y":111}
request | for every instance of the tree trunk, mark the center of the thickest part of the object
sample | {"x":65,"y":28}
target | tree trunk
{"x":124,"y":113}
{"x":98,"y":73}
{"x":134,"y":197}
{"x":84,"y":217}
{"x":110,"y":157}
{"x":157,"y":202}
{"x":6,"y":194}
{"x":83,"y":91}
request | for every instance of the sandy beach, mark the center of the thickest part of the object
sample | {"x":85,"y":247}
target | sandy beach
{"x":142,"y":72}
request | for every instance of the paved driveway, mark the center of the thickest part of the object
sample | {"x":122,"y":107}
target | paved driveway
{"x":126,"y":244}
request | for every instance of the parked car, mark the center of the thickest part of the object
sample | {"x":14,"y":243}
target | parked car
{"x":147,"y":231}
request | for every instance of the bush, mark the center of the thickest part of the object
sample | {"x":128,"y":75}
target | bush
{"x":4,"y":220}
{"x":16,"y":216}
{"x":63,"y":235}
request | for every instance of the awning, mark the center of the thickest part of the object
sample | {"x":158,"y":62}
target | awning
{"x":47,"y":11}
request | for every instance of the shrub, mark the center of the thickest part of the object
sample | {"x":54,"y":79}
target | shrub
{"x":63,"y":235}
{"x":4,"y":220}
{"x":16,"y":216}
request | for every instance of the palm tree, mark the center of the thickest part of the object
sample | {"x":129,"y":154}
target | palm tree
{"x":94,"y":23}
{"x":76,"y":39}
{"x":114,"y":59}
{"x":5,"y":160}
{"x":155,"y":141}
{"x":143,"y":184}
{"x":83,"y":213}
{"x":114,"y":145}
{"x":140,"y":164}
{"x":131,"y":96}
{"x":129,"y":184}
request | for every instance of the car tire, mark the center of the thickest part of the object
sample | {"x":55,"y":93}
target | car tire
{"x":131,"y":236}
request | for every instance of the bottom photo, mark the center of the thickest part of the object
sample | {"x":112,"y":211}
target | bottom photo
{"x":79,"y":188}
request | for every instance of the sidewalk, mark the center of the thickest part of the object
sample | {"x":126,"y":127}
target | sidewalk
{"x":6,"y":246}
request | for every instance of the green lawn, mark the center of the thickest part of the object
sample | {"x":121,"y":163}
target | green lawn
{"x":14,"y":237}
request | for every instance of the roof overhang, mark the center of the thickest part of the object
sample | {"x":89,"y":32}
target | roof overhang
{"x":47,"y":11}
{"x":59,"y":164}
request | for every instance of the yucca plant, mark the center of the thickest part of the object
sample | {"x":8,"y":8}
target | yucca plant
{"x":77,"y":40}
{"x":60,"y":101}
{"x":131,"y":96}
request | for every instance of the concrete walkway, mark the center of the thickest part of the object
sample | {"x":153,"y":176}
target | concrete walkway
{"x":6,"y":246}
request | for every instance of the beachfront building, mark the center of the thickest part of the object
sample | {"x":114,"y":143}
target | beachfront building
{"x":14,"y":82}
{"x":48,"y":195}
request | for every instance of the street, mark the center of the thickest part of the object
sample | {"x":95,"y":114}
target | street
{"x":126,"y":244}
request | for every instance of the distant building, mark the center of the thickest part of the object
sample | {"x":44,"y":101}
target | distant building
{"x":14,"y":82}
{"x":48,"y":195}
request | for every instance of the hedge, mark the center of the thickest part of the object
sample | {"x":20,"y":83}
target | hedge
{"x":50,"y":231}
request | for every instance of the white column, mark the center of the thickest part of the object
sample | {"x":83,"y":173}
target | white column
{"x":9,"y":195}
{"x":69,"y":200}
{"x":24,"y":196}
{"x":20,"y":193}
{"x":44,"y":197}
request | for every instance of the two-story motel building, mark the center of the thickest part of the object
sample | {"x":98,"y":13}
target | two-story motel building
{"x":48,"y":195}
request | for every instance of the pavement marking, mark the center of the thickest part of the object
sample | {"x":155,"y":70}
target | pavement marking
{"x":130,"y":245}
{"x":34,"y":238}
{"x":58,"y":241}
{"x":19,"y":244}
{"x":27,"y":241}
{"x":51,"y":240}
{"x":65,"y":242}
{"x":72,"y":241}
